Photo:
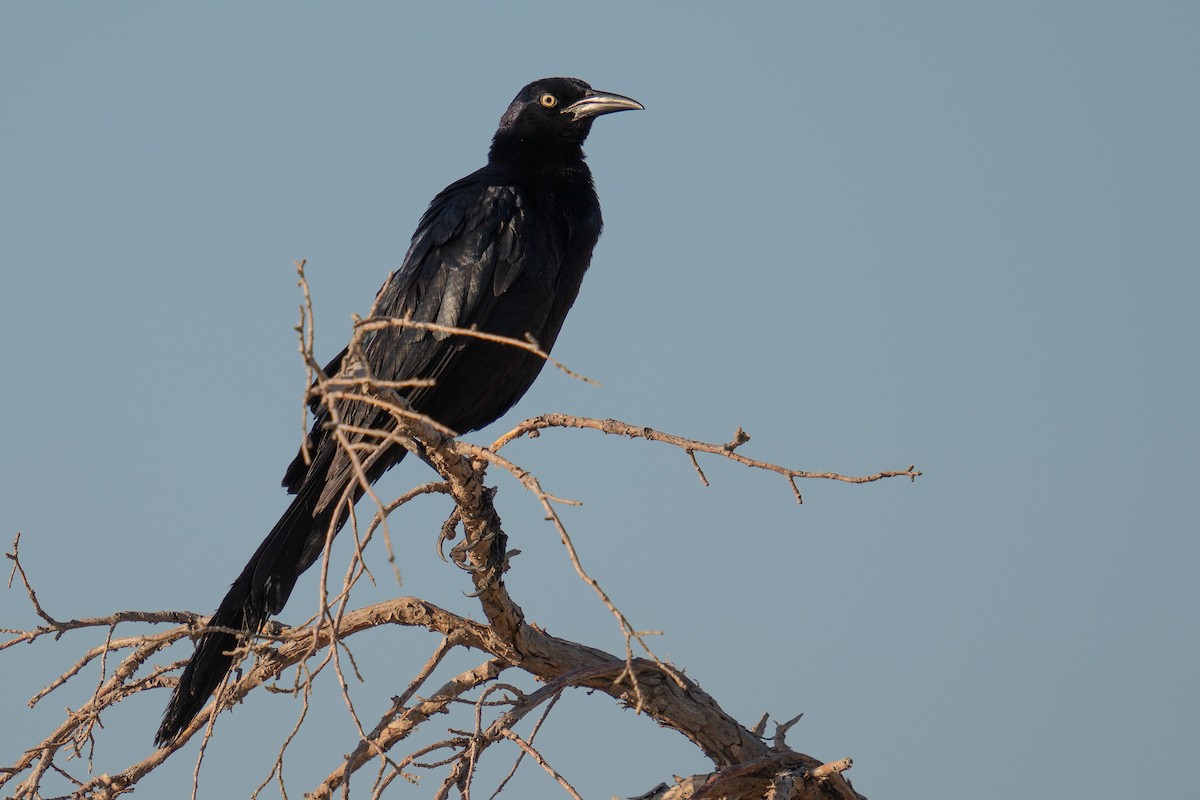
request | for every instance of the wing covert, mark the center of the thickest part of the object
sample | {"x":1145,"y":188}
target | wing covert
{"x":467,"y":252}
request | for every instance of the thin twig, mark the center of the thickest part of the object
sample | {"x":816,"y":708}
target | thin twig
{"x":529,"y":344}
{"x":617,"y":428}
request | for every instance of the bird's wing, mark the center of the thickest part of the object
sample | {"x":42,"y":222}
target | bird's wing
{"x":467,"y":252}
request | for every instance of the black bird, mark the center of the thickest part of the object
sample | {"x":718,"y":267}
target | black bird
{"x":504,"y":250}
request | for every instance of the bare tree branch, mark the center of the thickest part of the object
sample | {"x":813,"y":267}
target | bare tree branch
{"x":615,"y":427}
{"x":746,"y":765}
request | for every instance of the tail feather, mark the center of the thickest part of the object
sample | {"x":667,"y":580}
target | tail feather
{"x":213,"y":657}
{"x":259,"y":591}
{"x":266,"y":581}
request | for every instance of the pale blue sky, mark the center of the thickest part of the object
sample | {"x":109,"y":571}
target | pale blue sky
{"x":959,"y":235}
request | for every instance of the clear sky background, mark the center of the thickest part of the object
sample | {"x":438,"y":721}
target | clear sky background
{"x":960,"y":235}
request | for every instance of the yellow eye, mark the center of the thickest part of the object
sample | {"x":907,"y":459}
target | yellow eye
{"x":548,"y":100}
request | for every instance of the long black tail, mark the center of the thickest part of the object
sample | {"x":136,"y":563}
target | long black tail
{"x":213,"y":657}
{"x":260,"y":591}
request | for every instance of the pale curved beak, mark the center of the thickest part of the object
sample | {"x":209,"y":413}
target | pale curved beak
{"x":597,"y":103}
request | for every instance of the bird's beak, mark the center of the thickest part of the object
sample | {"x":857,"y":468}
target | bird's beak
{"x":597,"y":103}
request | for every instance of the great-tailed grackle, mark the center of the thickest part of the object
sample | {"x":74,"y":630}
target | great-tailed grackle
{"x":504,"y":250}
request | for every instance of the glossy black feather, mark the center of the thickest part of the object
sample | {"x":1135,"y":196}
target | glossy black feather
{"x":504,"y":250}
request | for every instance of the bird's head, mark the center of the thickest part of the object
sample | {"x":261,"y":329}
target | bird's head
{"x":551,"y":117}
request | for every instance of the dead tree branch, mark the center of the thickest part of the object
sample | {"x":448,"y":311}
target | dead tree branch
{"x":746,"y":764}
